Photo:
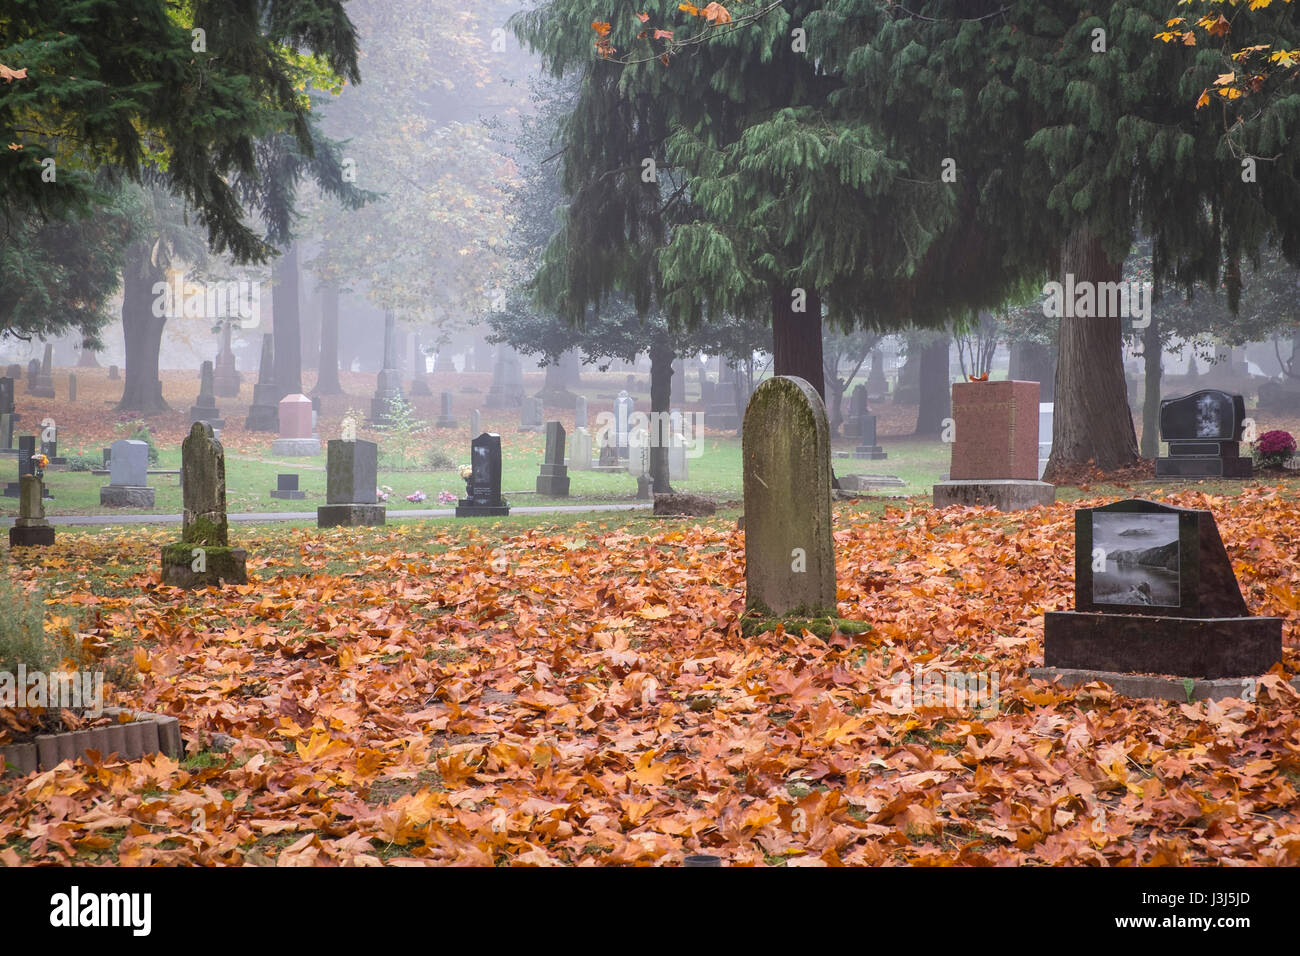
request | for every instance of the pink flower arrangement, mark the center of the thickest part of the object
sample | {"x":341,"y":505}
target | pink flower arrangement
{"x":1273,"y":449}
{"x":416,"y":496}
{"x":446,"y":498}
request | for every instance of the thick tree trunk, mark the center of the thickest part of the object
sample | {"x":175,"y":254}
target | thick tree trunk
{"x":287,"y":328}
{"x":327,"y":379}
{"x":908,"y":391}
{"x":661,"y":385}
{"x":142,"y":333}
{"x":1092,"y":420}
{"x":1151,"y":355}
{"x":310,"y":328}
{"x":1035,"y":362}
{"x":797,"y":339}
{"x":934,"y":388}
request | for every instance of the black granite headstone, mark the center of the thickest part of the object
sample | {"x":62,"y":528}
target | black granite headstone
{"x":6,"y":396}
{"x":26,"y":450}
{"x":1204,"y":434}
{"x":286,"y":486}
{"x":867,"y":447}
{"x":1155,"y":593}
{"x":483,"y":486}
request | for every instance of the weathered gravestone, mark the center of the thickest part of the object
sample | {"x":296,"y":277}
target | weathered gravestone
{"x":857,"y":409}
{"x":876,"y":382}
{"x":1203,"y":431}
{"x":507,"y":389}
{"x":30,"y":527}
{"x":286,"y":486}
{"x":42,"y":384}
{"x":789,"y":552}
{"x":6,"y":396}
{"x":203,"y":557}
{"x":264,"y":413}
{"x":678,"y":448}
{"x":26,"y":466}
{"x":446,"y":415}
{"x":530,"y":415}
{"x":351,"y":486}
{"x":474,"y":419}
{"x":867,"y":447}
{"x":995,"y":448}
{"x":72,"y":388}
{"x":7,"y":422}
{"x":483,"y":486}
{"x":14,"y":371}
{"x":580,"y":450}
{"x":114,"y":374}
{"x":722,"y":413}
{"x":128,"y":463}
{"x":580,"y":412}
{"x":388,"y":385}
{"x":296,"y":440}
{"x":33,"y":375}
{"x":205,"y":408}
{"x":1155,"y":593}
{"x":226,"y":379}
{"x":623,"y":407}
{"x":554,"y":479}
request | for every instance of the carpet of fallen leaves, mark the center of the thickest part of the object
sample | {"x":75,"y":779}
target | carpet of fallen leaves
{"x":449,"y":695}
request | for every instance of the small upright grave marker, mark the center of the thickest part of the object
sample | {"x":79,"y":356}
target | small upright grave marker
{"x":351,"y":477}
{"x":128,"y":463}
{"x":205,"y":408}
{"x":286,"y":486}
{"x":203,"y":557}
{"x":264,"y":413}
{"x":554,"y":479}
{"x":530,"y":415}
{"x":789,"y":552}
{"x":483,"y":483}
{"x":446,"y":416}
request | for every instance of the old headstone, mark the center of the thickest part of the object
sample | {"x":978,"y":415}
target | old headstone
{"x":205,"y":408}
{"x":446,"y":417}
{"x":1203,"y":431}
{"x":867,"y":447}
{"x":994,"y":448}
{"x":295,"y":439}
{"x":203,"y":557}
{"x":226,"y":378}
{"x":678,"y":449}
{"x":72,"y":387}
{"x":877,"y":386}
{"x":786,"y":451}
{"x":264,"y":413}
{"x":6,"y":396}
{"x":30,"y":527}
{"x":857,"y":409}
{"x":286,"y":486}
{"x":42,"y":384}
{"x":114,"y":374}
{"x":580,"y":412}
{"x":351,"y":485}
{"x":722,"y":412}
{"x":128,"y":463}
{"x":507,"y":389}
{"x":7,"y":434}
{"x":623,"y":407}
{"x":553,"y":482}
{"x":388,"y":385}
{"x":474,"y":428}
{"x":26,"y":466}
{"x":483,"y":486}
{"x":33,"y":376}
{"x":1155,"y":593}
{"x":638,"y":452}
{"x":580,"y":450}
{"x":14,"y":371}
{"x":530,"y":415}
{"x":419,"y":376}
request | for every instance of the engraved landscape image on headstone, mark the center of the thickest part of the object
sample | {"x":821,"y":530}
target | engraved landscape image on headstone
{"x":1141,"y":554}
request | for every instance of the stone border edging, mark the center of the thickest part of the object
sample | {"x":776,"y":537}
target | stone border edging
{"x":145,"y":734}
{"x":1147,"y":685}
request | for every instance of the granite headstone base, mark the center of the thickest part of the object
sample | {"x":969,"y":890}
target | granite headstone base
{"x":1181,"y":646}
{"x":296,"y":447}
{"x":289,"y":494}
{"x":221,"y":565}
{"x":31,"y":535}
{"x":1189,"y":466}
{"x":126,"y":496}
{"x":350,"y":515}
{"x":870,"y":452}
{"x":1007,"y":494}
{"x":553,"y":481}
{"x":465,"y":508}
{"x":13,"y":489}
{"x":1152,"y":687}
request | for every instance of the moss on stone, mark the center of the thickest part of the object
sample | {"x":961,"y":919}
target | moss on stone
{"x":759,"y":620}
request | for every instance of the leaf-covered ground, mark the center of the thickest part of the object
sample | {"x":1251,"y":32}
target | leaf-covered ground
{"x":584,"y":695}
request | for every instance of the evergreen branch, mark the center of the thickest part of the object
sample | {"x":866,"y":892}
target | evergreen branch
{"x":702,"y":37}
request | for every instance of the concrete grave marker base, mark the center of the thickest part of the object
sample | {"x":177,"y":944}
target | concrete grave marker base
{"x":31,"y":536}
{"x":126,"y":496}
{"x":293,"y":494}
{"x":1150,"y":686}
{"x":296,"y":447}
{"x":141,"y":735}
{"x":467,"y":509}
{"x":1006,"y":494}
{"x":868,"y":482}
{"x":224,"y":566}
{"x":350,"y":515}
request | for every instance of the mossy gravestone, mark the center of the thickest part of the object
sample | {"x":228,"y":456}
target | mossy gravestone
{"x":789,"y":554}
{"x":203,"y":556}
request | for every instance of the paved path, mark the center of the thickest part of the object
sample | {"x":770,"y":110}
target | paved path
{"x":310,"y":516}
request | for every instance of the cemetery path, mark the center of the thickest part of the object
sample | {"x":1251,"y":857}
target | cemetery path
{"x":310,"y":516}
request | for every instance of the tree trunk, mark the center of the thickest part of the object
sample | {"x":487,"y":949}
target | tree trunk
{"x":1151,"y":355}
{"x":908,"y":389}
{"x":661,"y":385}
{"x":142,"y":333}
{"x":311,"y":329}
{"x":797,"y":339}
{"x":287,"y":323}
{"x":87,"y":358}
{"x":1035,"y":362}
{"x":934,"y":381}
{"x":1092,"y":420}
{"x":327,"y":378}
